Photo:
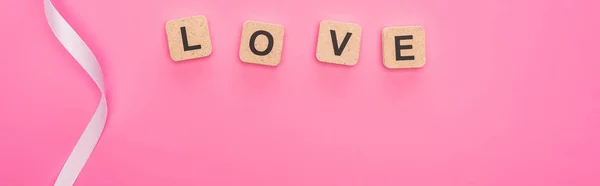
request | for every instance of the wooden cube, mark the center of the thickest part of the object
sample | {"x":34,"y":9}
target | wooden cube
{"x":403,"y":47}
{"x":338,"y":42}
{"x":188,"y":38}
{"x":261,"y":43}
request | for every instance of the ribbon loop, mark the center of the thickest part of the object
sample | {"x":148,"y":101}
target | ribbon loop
{"x":84,"y":56}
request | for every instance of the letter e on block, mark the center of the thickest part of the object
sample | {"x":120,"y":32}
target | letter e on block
{"x":403,"y":47}
{"x":261,"y":43}
{"x":188,"y":38}
{"x":338,"y":43}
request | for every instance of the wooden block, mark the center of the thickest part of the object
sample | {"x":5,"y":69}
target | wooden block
{"x":403,"y":47}
{"x":261,"y":43}
{"x":188,"y":38}
{"x":338,"y":43}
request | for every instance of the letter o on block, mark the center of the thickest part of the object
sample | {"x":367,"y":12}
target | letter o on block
{"x":261,"y":43}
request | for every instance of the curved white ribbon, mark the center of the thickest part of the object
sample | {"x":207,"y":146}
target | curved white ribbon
{"x":84,"y":56}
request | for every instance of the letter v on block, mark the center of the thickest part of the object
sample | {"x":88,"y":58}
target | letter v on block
{"x":338,"y":43}
{"x":338,"y":49}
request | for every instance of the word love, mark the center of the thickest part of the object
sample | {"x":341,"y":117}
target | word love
{"x":262,"y":43}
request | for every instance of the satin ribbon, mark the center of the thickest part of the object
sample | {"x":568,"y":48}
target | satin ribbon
{"x":84,"y":56}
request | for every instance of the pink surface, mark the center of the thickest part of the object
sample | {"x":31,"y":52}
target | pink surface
{"x":509,"y":96}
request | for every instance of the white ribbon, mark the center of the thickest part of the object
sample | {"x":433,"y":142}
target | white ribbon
{"x":84,"y":56}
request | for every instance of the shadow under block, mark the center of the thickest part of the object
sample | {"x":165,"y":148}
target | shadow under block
{"x":338,"y":43}
{"x":188,"y":38}
{"x":261,"y":43}
{"x":403,"y":47}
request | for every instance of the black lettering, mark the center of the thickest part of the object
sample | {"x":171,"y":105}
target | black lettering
{"x":338,"y":50}
{"x":253,"y":40}
{"x":403,"y":47}
{"x":186,"y":46}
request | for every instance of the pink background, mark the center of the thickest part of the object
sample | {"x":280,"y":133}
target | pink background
{"x":510,"y":95}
